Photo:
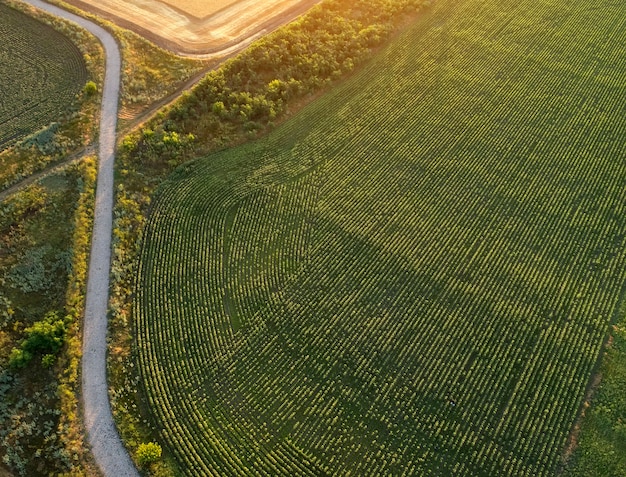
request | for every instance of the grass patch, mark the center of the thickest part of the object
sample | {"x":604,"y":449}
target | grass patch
{"x":601,"y":443}
{"x":151,"y":74}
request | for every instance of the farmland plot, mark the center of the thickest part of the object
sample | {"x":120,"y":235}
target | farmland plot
{"x":42,"y":71}
{"x":412,"y":277}
{"x":198,"y":26}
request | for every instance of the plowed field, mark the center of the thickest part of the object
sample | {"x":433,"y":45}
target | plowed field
{"x":195,"y":26}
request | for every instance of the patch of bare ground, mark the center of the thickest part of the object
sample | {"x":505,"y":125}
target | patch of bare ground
{"x":5,"y":473}
{"x":199,"y":8}
{"x":186,"y":29}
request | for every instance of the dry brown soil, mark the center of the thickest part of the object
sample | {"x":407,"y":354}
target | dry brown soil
{"x":200,"y":8}
{"x":198,"y":27}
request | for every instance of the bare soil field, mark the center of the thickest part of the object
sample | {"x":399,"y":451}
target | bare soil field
{"x":200,"y":8}
{"x":198,"y":26}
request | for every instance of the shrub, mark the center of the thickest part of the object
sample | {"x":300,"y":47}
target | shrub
{"x":147,"y":453}
{"x":47,"y":335}
{"x":48,"y":360}
{"x":90,"y":88}
{"x":19,"y":358}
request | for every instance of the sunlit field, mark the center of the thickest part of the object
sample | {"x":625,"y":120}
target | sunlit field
{"x":415,"y":275}
{"x":200,"y":8}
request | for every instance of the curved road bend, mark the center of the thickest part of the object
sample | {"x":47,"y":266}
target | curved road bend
{"x":108,"y":450}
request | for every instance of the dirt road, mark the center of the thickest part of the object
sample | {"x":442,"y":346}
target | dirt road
{"x":111,"y":456}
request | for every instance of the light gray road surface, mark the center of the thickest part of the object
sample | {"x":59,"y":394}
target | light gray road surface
{"x":108,"y":450}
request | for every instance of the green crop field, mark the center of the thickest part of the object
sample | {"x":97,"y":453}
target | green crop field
{"x":415,"y":275}
{"x":42,"y":71}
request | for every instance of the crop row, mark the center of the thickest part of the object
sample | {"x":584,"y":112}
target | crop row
{"x":414,"y":281}
{"x":41,"y":75}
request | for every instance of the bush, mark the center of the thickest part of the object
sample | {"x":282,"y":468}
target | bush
{"x":148,"y":453}
{"x":19,"y":358}
{"x":47,"y":335}
{"x":90,"y":88}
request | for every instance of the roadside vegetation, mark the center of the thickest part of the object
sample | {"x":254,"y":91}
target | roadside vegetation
{"x":416,"y":274}
{"x":44,"y":244}
{"x":45,"y":232}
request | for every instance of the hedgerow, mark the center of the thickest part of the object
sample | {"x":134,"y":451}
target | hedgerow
{"x":252,"y":91}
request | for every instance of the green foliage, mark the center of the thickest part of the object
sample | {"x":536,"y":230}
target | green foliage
{"x":45,"y":336}
{"x":29,"y":274}
{"x":34,"y":99}
{"x":249,"y":92}
{"x":47,"y":360}
{"x":19,"y":207}
{"x":601,"y":448}
{"x":28,"y":431}
{"x":148,"y":453}
{"x":19,"y":358}
{"x":415,"y":275}
{"x":219,"y":109}
{"x":40,"y":432}
{"x":44,"y":141}
{"x":233,"y":103}
{"x":90,"y":88}
{"x":73,"y":127}
{"x":37,"y":269}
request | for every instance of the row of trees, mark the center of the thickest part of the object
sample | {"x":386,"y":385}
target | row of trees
{"x":253,"y":90}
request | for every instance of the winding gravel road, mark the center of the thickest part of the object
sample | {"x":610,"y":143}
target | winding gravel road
{"x":110,"y":454}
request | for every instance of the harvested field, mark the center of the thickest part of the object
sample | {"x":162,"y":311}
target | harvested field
{"x":197,"y":27}
{"x":200,"y":8}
